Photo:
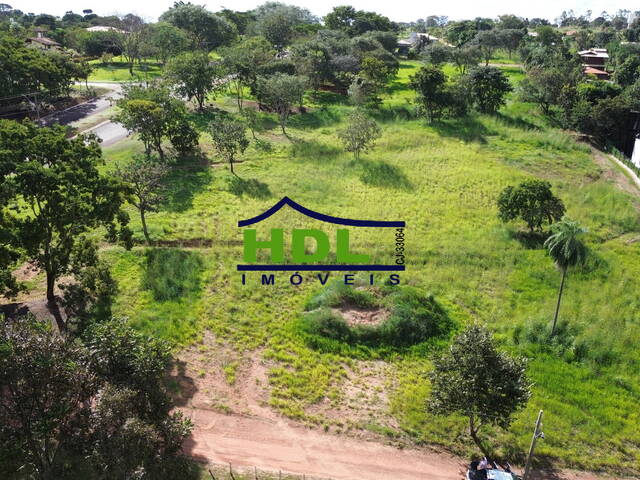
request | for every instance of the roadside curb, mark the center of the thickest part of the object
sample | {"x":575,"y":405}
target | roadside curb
{"x":631,"y":173}
{"x":94,"y":127}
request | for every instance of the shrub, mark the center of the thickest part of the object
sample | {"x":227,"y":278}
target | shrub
{"x":414,"y":318}
{"x":325,"y":323}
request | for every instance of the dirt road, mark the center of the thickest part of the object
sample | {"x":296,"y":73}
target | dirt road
{"x":279,"y":445}
{"x":272,"y":445}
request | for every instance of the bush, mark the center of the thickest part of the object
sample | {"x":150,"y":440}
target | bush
{"x":414,"y":318}
{"x":325,"y":323}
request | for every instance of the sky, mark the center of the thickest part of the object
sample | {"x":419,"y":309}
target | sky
{"x":403,"y":11}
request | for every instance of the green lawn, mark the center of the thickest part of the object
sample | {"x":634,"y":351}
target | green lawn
{"x":443,"y":179}
{"x":118,"y":71}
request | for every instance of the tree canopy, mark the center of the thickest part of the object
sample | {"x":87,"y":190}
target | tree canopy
{"x":97,"y":405}
{"x":57,"y":194}
{"x":473,"y":378}
{"x":533,"y":202}
{"x":360,"y":133}
{"x":207,"y":29}
{"x":193,"y":75}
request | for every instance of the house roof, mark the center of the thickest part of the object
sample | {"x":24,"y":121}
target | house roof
{"x":44,"y":41}
{"x":595,"y":71}
{"x":594,"y":52}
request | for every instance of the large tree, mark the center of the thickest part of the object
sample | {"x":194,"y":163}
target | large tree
{"x":27,"y":70}
{"x":193,"y":75}
{"x":567,"y":250}
{"x":144,"y":176}
{"x":98,"y":406}
{"x":242,"y":63}
{"x":489,"y":87}
{"x":356,"y":22}
{"x":280,"y":92}
{"x":156,"y":116}
{"x":473,"y":378}
{"x":488,"y":41}
{"x":58,"y":194}
{"x":47,"y":384}
{"x":532,"y":201}
{"x":430,"y":84}
{"x":168,"y":40}
{"x":279,"y":22}
{"x":207,"y":30}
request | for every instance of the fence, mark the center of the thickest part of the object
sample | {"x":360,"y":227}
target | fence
{"x":229,"y":472}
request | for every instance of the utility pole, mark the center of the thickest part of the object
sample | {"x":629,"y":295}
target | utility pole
{"x":536,"y":435}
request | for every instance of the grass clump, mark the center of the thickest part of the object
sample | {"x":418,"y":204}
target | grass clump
{"x":338,"y":294}
{"x":171,"y":273}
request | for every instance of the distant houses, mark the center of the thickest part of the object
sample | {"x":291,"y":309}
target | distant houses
{"x":104,"y":28}
{"x":594,"y":62}
{"x":42,"y":41}
{"x":416,"y":40}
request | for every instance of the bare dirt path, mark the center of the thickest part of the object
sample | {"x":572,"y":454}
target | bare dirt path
{"x":279,"y":445}
{"x":628,"y":182}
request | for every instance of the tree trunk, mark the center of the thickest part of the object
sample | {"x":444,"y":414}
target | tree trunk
{"x":231,"y":166}
{"x":555,"y":317}
{"x":51,"y":281}
{"x":52,"y":304}
{"x":143,"y":220}
{"x":473,"y":432}
{"x":239,"y":96}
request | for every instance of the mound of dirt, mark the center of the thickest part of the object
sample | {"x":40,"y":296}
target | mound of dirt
{"x":355,"y":316}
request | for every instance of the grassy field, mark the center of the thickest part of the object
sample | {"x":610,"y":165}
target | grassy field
{"x":118,"y":71}
{"x":443,"y":179}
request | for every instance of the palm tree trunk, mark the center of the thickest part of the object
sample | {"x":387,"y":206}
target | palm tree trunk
{"x":555,"y":317}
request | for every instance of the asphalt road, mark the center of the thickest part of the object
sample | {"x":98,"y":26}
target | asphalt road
{"x":108,"y":131}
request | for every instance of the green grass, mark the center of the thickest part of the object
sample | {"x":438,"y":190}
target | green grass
{"x":118,"y":71}
{"x":443,"y":179}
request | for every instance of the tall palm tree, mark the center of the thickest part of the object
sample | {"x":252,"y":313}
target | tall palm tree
{"x":567,"y":250}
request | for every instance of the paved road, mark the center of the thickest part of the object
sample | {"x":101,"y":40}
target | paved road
{"x":108,"y":131}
